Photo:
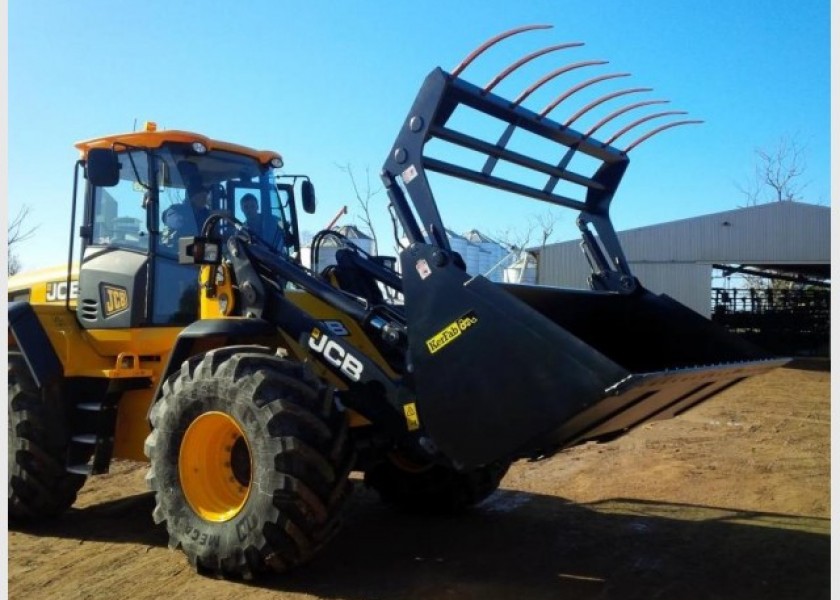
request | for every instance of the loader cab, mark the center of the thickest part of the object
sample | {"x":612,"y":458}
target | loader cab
{"x":142,"y":192}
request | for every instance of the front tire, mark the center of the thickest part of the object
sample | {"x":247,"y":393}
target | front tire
{"x":431,"y":488}
{"x":39,"y":484}
{"x":249,"y":462}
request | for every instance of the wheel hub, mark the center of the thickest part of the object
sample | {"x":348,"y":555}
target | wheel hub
{"x":215,"y":467}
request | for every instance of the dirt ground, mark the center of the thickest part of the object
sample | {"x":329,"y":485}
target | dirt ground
{"x":730,"y":500}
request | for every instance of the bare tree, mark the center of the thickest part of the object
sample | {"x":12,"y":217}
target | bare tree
{"x":542,"y":226}
{"x":14,"y":264}
{"x":777,"y":175}
{"x":18,"y":232}
{"x":546,"y":223}
{"x":514,"y":239}
{"x":364,"y":198}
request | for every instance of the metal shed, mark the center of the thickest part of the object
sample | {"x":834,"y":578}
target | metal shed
{"x":677,"y":257}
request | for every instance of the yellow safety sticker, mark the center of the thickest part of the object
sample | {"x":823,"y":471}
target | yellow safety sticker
{"x":451,"y":332}
{"x":412,"y":421}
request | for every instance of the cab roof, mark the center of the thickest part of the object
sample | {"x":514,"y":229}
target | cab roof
{"x":155,"y":139}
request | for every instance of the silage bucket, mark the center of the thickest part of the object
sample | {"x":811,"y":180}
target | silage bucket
{"x":507,"y":371}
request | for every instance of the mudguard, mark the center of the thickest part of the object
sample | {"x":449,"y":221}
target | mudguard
{"x":212,"y":333}
{"x":34,"y":344}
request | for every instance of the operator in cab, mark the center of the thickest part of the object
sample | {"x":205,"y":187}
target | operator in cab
{"x":186,"y":218}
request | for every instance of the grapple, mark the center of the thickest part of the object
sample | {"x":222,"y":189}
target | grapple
{"x":503,"y":371}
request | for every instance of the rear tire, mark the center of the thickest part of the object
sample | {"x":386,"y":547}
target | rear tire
{"x":250,"y":461}
{"x":39,"y":484}
{"x":433,"y":489}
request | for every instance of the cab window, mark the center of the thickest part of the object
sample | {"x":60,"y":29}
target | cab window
{"x":119,"y":212}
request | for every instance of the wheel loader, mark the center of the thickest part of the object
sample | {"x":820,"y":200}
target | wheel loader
{"x":183,"y":334}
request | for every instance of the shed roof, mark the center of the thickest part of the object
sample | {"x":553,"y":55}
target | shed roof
{"x":791,"y":237}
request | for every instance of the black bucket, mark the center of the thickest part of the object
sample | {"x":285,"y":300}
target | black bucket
{"x":505,"y":371}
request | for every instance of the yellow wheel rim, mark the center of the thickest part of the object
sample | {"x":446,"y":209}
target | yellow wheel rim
{"x":215,"y":467}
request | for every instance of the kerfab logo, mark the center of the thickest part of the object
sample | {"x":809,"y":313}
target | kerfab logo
{"x":451,"y":332}
{"x":57,"y":291}
{"x":335,"y":355}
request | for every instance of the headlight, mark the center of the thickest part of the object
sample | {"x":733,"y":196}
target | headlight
{"x":199,"y":148}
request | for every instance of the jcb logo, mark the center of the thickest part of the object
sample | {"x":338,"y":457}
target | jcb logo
{"x":57,"y":291}
{"x":336,"y":355}
{"x":114,"y":300}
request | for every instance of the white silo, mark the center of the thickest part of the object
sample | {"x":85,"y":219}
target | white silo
{"x":469,"y":252}
{"x":492,"y":254}
{"x":523,"y":270}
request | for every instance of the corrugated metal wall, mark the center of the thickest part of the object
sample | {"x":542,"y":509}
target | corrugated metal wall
{"x":676,"y":258}
{"x":689,"y":284}
{"x":771,"y":233}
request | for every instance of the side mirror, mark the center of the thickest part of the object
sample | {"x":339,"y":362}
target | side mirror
{"x":307,"y":196}
{"x":102,"y":167}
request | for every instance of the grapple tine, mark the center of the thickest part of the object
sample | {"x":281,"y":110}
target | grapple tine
{"x":638,"y":122}
{"x":491,"y":42}
{"x":620,"y":112}
{"x":526,"y":59}
{"x":573,"y":90}
{"x":652,"y":133}
{"x":555,"y":73}
{"x":601,"y":100}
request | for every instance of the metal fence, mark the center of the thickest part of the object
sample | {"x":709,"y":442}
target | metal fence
{"x":788,"y":321}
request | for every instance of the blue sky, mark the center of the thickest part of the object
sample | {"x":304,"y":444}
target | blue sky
{"x":329,"y":83}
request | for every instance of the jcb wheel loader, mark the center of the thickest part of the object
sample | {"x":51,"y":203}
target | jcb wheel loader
{"x":189,"y":335}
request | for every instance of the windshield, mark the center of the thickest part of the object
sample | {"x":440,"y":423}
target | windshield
{"x":195,"y":184}
{"x":189,"y":186}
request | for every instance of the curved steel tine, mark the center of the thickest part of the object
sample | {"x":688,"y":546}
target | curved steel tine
{"x":601,"y":100}
{"x":555,"y":73}
{"x":650,"y":134}
{"x":551,"y":106}
{"x":526,"y":59}
{"x":643,"y":120}
{"x":492,"y":41}
{"x":620,"y":112}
